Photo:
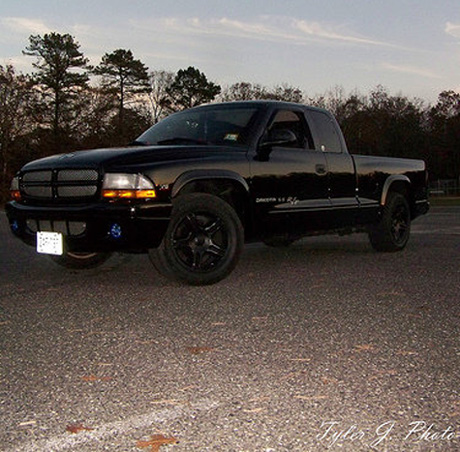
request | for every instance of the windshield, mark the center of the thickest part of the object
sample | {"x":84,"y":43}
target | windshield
{"x":222,"y":126}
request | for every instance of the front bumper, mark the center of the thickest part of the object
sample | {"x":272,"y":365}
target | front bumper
{"x":421,"y":207}
{"x":94,"y":227}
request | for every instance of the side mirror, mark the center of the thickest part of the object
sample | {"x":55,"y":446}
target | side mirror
{"x":280,"y":137}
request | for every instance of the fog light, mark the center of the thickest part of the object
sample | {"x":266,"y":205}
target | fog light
{"x":14,"y":226}
{"x":115,"y":231}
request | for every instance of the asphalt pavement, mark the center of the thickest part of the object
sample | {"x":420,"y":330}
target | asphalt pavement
{"x":325,"y":345}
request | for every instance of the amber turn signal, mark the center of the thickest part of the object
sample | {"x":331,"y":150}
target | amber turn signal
{"x":129,"y":194}
{"x":15,"y":195}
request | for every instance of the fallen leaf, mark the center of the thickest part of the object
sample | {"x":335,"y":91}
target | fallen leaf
{"x":188,"y":388}
{"x":300,"y":360}
{"x":218,"y":324}
{"x":391,"y":294}
{"x":98,"y":319}
{"x":259,"y":399}
{"x":329,"y":380}
{"x":75,"y":428}
{"x":259,"y":319}
{"x":199,"y":350}
{"x":405,"y":353}
{"x":89,"y":378}
{"x":168,"y":402}
{"x":26,"y":423}
{"x":4,"y":323}
{"x":155,"y":442}
{"x":319,"y":397}
{"x":381,"y":373}
{"x":291,"y":375}
{"x":254,"y":410}
{"x":365,"y":348}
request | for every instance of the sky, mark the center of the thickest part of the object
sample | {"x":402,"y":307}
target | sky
{"x":410,"y":47}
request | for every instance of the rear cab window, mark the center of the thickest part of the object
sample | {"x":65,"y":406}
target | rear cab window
{"x":327,"y":138}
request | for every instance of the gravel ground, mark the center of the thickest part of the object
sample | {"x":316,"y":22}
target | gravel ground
{"x":326,"y":345}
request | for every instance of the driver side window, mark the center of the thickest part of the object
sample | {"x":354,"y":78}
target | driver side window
{"x":294,"y":122}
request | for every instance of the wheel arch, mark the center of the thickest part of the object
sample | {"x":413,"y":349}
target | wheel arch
{"x":399,"y":184}
{"x":225,"y":184}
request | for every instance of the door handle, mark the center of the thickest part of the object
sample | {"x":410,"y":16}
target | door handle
{"x":320,"y":169}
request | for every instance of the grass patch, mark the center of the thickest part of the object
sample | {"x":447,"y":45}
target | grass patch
{"x":445,"y":201}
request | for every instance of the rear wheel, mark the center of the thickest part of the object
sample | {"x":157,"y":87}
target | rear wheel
{"x":81,"y":261}
{"x":203,"y":241}
{"x":393,"y":230}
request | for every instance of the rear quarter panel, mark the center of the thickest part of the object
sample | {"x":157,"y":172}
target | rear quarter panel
{"x":372,"y":172}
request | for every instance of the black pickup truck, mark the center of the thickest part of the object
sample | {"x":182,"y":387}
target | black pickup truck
{"x":194,"y":187}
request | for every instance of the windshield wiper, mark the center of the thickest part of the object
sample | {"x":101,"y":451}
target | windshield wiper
{"x":138,"y":143}
{"x":182,"y":140}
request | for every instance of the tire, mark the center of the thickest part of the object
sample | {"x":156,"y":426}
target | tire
{"x":81,"y":261}
{"x":393,"y":230}
{"x":203,"y":241}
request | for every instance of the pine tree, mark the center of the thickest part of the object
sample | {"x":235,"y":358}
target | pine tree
{"x":124,"y":75}
{"x":57,"y":58}
{"x":191,"y":88}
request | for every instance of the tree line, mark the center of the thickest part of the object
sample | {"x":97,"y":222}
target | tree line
{"x":66,"y":104}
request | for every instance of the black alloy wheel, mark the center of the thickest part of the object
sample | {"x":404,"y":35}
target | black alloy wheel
{"x":393,"y":231}
{"x":203,"y":241}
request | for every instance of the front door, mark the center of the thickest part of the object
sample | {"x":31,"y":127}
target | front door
{"x":289,"y":182}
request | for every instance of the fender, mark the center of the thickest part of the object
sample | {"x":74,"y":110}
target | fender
{"x":390,"y":180}
{"x":193,"y":175}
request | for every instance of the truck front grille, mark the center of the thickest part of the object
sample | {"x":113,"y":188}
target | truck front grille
{"x":71,"y":185}
{"x":66,"y":227}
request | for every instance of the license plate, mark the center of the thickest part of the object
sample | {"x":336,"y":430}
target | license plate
{"x":50,"y":243}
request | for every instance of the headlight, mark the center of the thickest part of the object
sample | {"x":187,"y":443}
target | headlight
{"x":14,"y":189}
{"x":127,"y":186}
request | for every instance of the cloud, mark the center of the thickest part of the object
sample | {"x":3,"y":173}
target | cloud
{"x":317,"y":30}
{"x":268,"y":28}
{"x":25,"y":25}
{"x":406,"y":69}
{"x":452,"y":29}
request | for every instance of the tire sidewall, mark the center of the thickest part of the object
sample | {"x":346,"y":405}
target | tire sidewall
{"x":381,"y":236}
{"x":200,"y":203}
{"x":395,"y":202}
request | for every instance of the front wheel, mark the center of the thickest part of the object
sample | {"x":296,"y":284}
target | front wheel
{"x":393,"y":230}
{"x":81,"y":261}
{"x":203,"y":241}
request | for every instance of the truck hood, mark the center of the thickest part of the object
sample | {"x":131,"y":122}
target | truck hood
{"x":130,"y":156}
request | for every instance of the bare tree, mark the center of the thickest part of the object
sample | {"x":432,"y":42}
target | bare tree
{"x":255,"y":91}
{"x":14,"y":117}
{"x":243,"y":91}
{"x":159,"y":98}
